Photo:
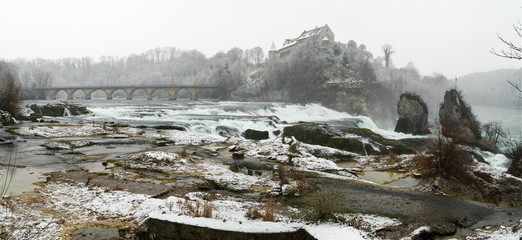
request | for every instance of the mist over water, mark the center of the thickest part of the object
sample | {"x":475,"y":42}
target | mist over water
{"x":510,"y":117}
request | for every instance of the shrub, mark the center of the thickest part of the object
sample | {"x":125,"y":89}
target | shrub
{"x":324,"y":207}
{"x":446,"y":159}
{"x":493,"y":132}
{"x":10,"y":97}
{"x":514,"y":152}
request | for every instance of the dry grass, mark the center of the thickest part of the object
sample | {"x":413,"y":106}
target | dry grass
{"x":183,"y":153}
{"x":207,"y":209}
{"x":269,"y":215}
{"x":233,"y":168}
{"x":392,"y":158}
{"x":283,"y":170}
{"x":196,"y":210}
{"x":113,"y":187}
{"x":254,"y":213}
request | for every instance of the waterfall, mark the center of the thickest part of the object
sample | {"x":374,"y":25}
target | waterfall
{"x":66,"y":112}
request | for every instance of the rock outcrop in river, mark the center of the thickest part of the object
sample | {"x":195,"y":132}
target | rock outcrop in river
{"x":5,"y":118}
{"x":59,"y":109}
{"x":457,"y":119}
{"x":361,"y":141}
{"x":413,"y":115}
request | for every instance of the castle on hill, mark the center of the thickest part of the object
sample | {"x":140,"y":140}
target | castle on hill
{"x":317,"y":37}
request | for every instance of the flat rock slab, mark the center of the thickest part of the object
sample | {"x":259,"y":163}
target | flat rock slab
{"x":153,"y":229}
{"x":106,"y":181}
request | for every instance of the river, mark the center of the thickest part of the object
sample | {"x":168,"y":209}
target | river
{"x":217,"y":119}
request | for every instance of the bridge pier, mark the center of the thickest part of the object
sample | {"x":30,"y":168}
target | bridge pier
{"x":109,"y":93}
{"x":194,"y":93}
{"x":70,"y":94}
{"x":149,"y":92}
{"x":88,"y":93}
{"x":172,"y":93}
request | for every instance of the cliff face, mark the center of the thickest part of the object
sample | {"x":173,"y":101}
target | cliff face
{"x":457,"y":119}
{"x":413,"y":115}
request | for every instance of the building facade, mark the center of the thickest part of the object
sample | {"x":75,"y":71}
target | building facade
{"x":317,"y":37}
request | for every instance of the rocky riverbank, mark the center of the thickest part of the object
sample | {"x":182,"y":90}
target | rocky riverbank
{"x":282,"y":180}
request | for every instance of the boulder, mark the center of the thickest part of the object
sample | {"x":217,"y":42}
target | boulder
{"x":413,"y":115}
{"x":34,"y":117}
{"x":226,"y":131}
{"x":170,"y":127}
{"x":153,"y":228}
{"x":457,"y":119}
{"x":325,"y":136}
{"x":6,"y":118}
{"x":59,"y":109}
{"x":255,"y":134}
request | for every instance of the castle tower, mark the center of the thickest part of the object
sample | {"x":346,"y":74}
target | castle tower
{"x":273,"y":52}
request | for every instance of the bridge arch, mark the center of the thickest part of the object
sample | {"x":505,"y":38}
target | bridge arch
{"x":97,"y":93}
{"x":59,"y":94}
{"x":159,"y":93}
{"x":78,"y":93}
{"x":137,"y":91}
{"x":183,"y":93}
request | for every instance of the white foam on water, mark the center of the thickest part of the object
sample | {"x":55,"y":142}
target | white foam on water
{"x":204,"y":117}
{"x":498,"y":161}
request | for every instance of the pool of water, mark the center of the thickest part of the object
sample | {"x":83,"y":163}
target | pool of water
{"x":388,"y":177}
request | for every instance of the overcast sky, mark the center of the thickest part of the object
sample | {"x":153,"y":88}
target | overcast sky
{"x":452,"y":37}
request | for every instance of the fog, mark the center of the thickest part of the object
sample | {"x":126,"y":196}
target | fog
{"x":448,"y":37}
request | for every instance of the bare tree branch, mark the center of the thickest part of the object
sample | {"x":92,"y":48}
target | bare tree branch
{"x":515,"y":86}
{"x":514,"y":51}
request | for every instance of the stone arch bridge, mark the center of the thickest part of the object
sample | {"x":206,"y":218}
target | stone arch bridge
{"x":42,"y":93}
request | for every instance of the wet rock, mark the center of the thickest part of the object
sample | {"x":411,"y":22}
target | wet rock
{"x":413,"y":115}
{"x":238,"y":155}
{"x":457,"y":119}
{"x":403,"y":146}
{"x":275,"y":119}
{"x":160,"y":229}
{"x":34,"y":117}
{"x":96,"y":233}
{"x":6,"y":118}
{"x":255,"y":134}
{"x":170,"y":127}
{"x":226,"y":131}
{"x":326,"y":136}
{"x":59,"y":109}
{"x":323,"y":135}
{"x":276,"y":132}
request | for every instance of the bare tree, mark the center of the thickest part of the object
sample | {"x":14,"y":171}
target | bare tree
{"x":388,"y":51}
{"x":10,"y":94}
{"x":42,"y":78}
{"x":26,"y":78}
{"x":493,"y":132}
{"x":514,"y":50}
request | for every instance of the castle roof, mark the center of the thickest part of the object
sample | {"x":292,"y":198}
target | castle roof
{"x":273,"y":47}
{"x":306,"y":34}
